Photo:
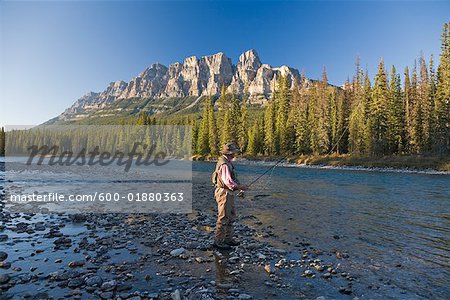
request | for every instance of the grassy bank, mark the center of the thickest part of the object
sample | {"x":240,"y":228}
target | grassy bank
{"x":416,"y":162}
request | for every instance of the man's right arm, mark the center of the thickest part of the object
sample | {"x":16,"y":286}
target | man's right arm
{"x":225,"y":175}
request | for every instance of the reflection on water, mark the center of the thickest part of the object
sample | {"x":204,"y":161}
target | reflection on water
{"x":394,"y":224}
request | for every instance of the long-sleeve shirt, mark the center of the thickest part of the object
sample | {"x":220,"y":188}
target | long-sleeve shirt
{"x":225,"y":176}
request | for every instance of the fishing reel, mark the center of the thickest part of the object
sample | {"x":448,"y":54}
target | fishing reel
{"x":241,"y":194}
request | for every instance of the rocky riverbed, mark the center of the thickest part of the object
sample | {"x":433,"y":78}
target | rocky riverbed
{"x":299,"y":240}
{"x":140,"y":256}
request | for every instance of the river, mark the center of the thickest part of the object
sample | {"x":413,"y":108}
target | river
{"x":394,"y":226}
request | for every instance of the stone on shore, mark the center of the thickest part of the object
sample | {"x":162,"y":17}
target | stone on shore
{"x":3,"y":255}
{"x":4,"y":278}
{"x":177,"y":252}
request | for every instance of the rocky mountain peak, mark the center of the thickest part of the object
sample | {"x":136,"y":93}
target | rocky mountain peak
{"x":250,"y":60}
{"x":154,"y":71}
{"x":193,"y":77}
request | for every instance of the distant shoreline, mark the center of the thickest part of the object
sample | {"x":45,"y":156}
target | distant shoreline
{"x":400,"y":164}
{"x":407,"y":163}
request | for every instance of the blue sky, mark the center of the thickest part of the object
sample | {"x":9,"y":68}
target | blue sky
{"x":51,"y":53}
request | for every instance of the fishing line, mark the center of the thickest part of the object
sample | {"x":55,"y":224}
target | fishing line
{"x":267,"y":171}
{"x":271,"y":168}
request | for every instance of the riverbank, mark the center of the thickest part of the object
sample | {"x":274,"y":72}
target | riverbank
{"x":149,"y":256}
{"x":407,"y":162}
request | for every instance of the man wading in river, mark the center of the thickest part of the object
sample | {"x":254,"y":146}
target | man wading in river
{"x":226,"y":183}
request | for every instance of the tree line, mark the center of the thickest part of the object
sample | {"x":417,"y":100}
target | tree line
{"x":382,"y":116}
{"x":71,"y":141}
{"x":2,"y":141}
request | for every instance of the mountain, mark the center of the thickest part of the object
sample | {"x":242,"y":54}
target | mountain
{"x":181,"y":85}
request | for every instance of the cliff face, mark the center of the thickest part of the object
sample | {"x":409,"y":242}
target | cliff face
{"x":194,"y":77}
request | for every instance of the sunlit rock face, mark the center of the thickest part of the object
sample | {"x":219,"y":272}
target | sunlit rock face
{"x":194,"y":77}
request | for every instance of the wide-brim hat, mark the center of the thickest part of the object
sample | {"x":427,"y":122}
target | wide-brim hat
{"x":230,"y":148}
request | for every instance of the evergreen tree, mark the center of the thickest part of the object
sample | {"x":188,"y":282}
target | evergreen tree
{"x":195,"y":129}
{"x":334,"y":133}
{"x":283,"y":100}
{"x":203,"y":133}
{"x":212,"y":129}
{"x":2,"y":141}
{"x":378,"y":118}
{"x":433,"y":83}
{"x":243,"y":127}
{"x":395,"y":114}
{"x":417,"y":140}
{"x":343,"y":100}
{"x":223,"y":99}
{"x":235,"y":119}
{"x":424,"y":103}
{"x":441,"y":139}
{"x":142,"y":119}
{"x":357,"y":118}
{"x":368,"y":145}
{"x":227,"y":128}
{"x":269,"y":128}
{"x":408,"y":96}
{"x":223,"y":104}
{"x":298,"y":122}
{"x":255,"y":139}
{"x":319,"y":116}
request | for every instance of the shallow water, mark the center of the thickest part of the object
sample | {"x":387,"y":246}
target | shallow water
{"x":394,"y":226}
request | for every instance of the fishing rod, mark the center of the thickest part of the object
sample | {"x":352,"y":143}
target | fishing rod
{"x":241,"y":193}
{"x":267,"y":171}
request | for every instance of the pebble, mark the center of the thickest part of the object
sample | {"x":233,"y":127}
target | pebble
{"x":5,"y":264}
{"x":269,"y":269}
{"x":124,"y":287}
{"x":177,"y":252}
{"x":341,"y":255}
{"x":3,"y":255}
{"x":94,"y":281}
{"x":76,"y":282}
{"x":77,"y":263}
{"x":176,"y":294}
{"x":4,"y":278}
{"x":224,"y":285}
{"x":245,"y":296}
{"x":107,"y":295}
{"x":108,"y":285}
{"x":345,"y":291}
{"x":3,"y":237}
{"x":62,"y":241}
